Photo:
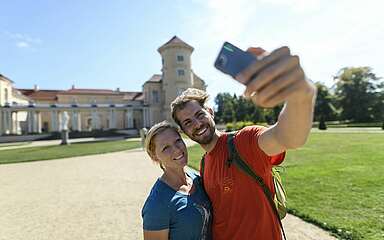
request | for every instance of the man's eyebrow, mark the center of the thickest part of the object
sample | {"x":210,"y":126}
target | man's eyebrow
{"x":198,"y":112}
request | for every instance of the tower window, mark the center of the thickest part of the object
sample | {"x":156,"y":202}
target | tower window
{"x":180,"y":72}
{"x":155,"y":96}
{"x":180,"y":58}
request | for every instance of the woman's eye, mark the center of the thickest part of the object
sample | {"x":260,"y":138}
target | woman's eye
{"x":165,"y":148}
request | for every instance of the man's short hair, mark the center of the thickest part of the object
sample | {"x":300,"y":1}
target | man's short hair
{"x":191,"y":94}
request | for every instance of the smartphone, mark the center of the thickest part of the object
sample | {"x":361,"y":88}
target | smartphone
{"x":232,"y":60}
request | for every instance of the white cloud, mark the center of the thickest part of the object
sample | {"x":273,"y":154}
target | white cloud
{"x":22,"y":45}
{"x":23,"y":40}
{"x":327,"y":35}
{"x":298,"y":6}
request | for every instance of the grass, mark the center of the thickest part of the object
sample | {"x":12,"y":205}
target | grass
{"x":335,"y":181}
{"x":28,"y":154}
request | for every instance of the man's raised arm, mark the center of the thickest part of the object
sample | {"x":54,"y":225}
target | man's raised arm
{"x":279,"y":78}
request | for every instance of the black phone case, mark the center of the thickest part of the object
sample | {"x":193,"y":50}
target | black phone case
{"x":232,"y":60}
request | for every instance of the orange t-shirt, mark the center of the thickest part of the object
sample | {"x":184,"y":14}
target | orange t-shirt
{"x":240,"y":208}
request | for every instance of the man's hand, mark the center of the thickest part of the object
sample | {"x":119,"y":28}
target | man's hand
{"x":276,"y":78}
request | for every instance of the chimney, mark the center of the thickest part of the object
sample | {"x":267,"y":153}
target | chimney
{"x":36,"y":87}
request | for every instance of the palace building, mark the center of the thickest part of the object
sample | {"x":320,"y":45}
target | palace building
{"x":25,"y":111}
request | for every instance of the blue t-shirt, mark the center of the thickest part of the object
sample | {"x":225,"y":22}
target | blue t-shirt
{"x":188,"y":217}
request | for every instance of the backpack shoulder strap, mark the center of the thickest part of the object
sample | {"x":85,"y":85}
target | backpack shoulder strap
{"x":202,"y":162}
{"x":234,"y":158}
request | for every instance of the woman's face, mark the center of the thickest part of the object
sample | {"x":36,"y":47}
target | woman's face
{"x":170,"y":149}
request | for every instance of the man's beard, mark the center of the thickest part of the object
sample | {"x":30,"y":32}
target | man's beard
{"x":207,"y":139}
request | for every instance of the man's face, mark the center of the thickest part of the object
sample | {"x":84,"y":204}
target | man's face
{"x":197,"y":122}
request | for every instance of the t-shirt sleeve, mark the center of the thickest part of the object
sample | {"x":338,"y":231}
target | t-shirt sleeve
{"x":252,"y":133}
{"x":155,"y":214}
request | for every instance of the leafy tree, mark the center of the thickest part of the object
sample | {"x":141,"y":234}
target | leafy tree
{"x":225,"y":109}
{"x":357,"y":91}
{"x":324,"y":107}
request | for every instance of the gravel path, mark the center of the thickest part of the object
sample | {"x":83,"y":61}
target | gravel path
{"x":91,"y":197}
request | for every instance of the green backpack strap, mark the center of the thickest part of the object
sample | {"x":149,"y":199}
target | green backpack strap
{"x":202,"y":162}
{"x":234,"y":158}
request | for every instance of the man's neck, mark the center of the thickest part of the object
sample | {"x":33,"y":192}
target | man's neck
{"x":210,"y":146}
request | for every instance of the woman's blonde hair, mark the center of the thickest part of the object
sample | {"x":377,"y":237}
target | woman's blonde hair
{"x":152,"y":133}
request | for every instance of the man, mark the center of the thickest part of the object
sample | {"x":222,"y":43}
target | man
{"x":240,"y":208}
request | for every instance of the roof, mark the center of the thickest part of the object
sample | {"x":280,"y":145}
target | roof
{"x":51,"y":95}
{"x":5,"y":78}
{"x":156,"y":78}
{"x":175,"y":41}
{"x":133,"y":96}
{"x":42,"y":95}
{"x":89,"y":91}
{"x":16,"y":93}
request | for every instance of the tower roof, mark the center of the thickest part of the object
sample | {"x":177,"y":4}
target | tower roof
{"x":2,"y":77}
{"x":175,"y":42}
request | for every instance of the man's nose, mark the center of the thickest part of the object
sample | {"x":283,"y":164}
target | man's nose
{"x":197,"y":124}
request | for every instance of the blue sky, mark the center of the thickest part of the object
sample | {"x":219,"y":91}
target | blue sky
{"x":110,"y":44}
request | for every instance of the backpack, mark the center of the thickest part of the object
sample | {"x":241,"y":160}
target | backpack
{"x":278,"y":200}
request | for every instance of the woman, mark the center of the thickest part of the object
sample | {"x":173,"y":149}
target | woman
{"x":177,"y":206}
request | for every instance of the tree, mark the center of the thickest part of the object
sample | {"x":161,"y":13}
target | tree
{"x":357,"y":92}
{"x":324,"y":108}
{"x":225,"y":109}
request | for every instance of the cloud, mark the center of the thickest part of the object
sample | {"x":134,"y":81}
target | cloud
{"x":22,"y":45}
{"x":327,"y":35}
{"x":23,"y":40}
{"x":297,"y":6}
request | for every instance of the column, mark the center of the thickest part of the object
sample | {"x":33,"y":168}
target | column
{"x":17,"y":124}
{"x":37,"y":122}
{"x":7,"y":121}
{"x":1,"y":122}
{"x":145,"y":117}
{"x":76,"y":121}
{"x":129,"y":117}
{"x":112,"y":119}
{"x":60,"y":120}
{"x":95,"y":120}
{"x":54,"y":127}
{"x":13,"y":124}
{"x":30,"y":120}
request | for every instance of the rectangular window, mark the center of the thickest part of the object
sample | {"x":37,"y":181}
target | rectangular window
{"x":180,"y":58}
{"x":180,"y":72}
{"x":155,"y":96}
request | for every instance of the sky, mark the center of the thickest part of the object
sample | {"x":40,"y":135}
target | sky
{"x":111,"y":44}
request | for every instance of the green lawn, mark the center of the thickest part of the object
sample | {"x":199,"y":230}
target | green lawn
{"x":63,"y":151}
{"x":335,"y":181}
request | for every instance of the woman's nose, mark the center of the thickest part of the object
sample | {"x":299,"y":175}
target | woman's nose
{"x":177,"y":149}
